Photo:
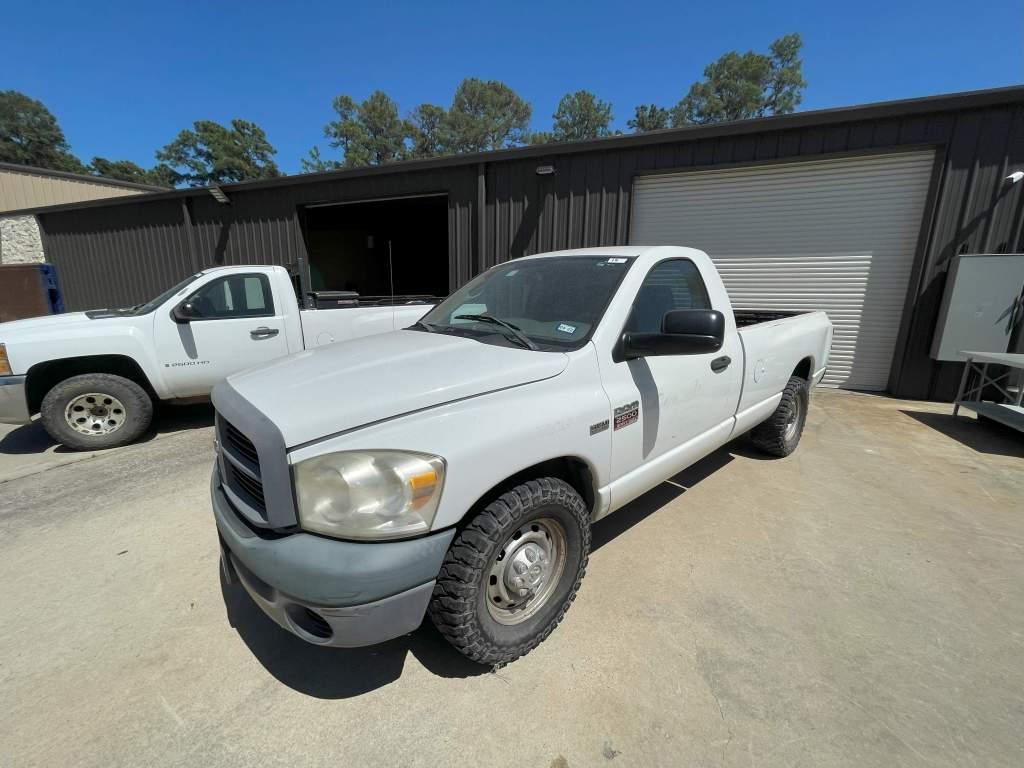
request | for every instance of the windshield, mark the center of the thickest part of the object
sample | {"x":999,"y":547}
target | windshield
{"x":555,"y":303}
{"x":152,"y":304}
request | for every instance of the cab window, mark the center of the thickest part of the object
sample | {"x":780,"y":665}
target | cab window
{"x":670,"y":285}
{"x":234,"y":296}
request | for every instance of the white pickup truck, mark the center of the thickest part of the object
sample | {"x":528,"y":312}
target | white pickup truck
{"x":455,"y":467}
{"x":94,"y":376}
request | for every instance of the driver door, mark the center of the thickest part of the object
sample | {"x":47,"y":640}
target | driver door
{"x":233,"y":325}
{"x":668,"y":411}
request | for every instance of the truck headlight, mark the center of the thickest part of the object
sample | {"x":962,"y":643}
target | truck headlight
{"x":369,"y":494}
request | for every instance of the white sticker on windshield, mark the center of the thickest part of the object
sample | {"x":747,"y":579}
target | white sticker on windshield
{"x":566,"y":328}
{"x":616,"y":261}
{"x":511,"y":272}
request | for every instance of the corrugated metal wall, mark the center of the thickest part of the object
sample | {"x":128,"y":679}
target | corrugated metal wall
{"x":126,"y":253}
{"x":587,"y":202}
{"x":26,"y":188}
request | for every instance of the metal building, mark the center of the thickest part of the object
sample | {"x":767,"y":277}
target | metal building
{"x":855,"y":210}
{"x":22,"y":186}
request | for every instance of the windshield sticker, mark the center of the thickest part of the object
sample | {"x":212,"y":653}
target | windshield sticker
{"x":511,"y":272}
{"x":566,"y":328}
{"x":616,"y":261}
{"x":627,"y":414}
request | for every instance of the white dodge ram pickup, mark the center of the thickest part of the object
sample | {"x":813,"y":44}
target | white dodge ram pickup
{"x":94,"y":376}
{"x":455,"y":467}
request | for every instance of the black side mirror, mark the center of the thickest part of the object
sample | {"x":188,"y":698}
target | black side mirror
{"x":185,"y":313}
{"x":683,"y":332}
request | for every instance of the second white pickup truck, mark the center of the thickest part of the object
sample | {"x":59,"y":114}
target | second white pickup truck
{"x":95,"y":376}
{"x":455,"y":467}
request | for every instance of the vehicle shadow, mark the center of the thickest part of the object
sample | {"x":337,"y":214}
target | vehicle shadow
{"x":989,"y":437}
{"x":341,"y":673}
{"x":33,"y":439}
{"x":338,"y":673}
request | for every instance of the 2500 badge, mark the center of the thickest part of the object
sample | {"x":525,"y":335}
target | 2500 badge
{"x":627,"y":414}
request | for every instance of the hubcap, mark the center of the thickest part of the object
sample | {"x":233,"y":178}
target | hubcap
{"x":793,"y":420}
{"x":525,"y":571}
{"x":95,"y":413}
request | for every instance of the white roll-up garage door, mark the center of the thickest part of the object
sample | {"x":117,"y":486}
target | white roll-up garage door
{"x":837,"y":235}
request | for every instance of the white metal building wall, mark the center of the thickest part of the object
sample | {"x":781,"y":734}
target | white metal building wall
{"x":837,"y":235}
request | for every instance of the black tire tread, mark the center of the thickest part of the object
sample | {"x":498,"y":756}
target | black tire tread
{"x":454,"y":602}
{"x":136,"y":400}
{"x":770,"y":435}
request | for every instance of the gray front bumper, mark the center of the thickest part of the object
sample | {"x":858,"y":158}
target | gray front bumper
{"x":330,"y":592}
{"x":13,"y":402}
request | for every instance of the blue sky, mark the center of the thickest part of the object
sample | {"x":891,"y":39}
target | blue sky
{"x":124,"y":77}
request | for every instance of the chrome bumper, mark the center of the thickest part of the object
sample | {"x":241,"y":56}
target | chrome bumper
{"x":13,"y":402}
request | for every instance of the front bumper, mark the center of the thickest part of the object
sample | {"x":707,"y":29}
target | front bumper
{"x":13,"y":401}
{"x":330,"y":592}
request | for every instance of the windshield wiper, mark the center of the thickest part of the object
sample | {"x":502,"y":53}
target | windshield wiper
{"x":514,"y":330}
{"x":428,"y":327}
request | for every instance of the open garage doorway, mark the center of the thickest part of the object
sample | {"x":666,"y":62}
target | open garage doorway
{"x":379,"y":248}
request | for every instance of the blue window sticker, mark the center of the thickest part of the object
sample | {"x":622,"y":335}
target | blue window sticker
{"x":566,"y":328}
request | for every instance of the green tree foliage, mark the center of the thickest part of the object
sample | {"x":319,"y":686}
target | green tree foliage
{"x":211,"y":153}
{"x":740,"y":86}
{"x":582,"y":115}
{"x":486,"y":115}
{"x":368,"y":132}
{"x":649,"y":117}
{"x":430,"y":134}
{"x":30,"y":135}
{"x":125,"y":170}
{"x":315,"y":162}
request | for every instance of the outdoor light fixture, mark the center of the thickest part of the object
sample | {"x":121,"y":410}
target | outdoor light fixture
{"x":545,"y":170}
{"x":218,"y":195}
{"x":1014,"y":177}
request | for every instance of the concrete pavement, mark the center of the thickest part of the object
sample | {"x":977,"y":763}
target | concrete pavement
{"x":860,"y":603}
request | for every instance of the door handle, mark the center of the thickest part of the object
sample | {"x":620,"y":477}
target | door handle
{"x":719,"y":364}
{"x":263,"y":332}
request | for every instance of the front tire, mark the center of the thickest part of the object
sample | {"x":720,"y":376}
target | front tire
{"x":780,"y":433}
{"x":96,"y":411}
{"x":512,"y":573}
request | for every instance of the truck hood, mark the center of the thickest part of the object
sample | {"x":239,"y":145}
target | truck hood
{"x":69,"y":322}
{"x":32,"y":324}
{"x":332,"y":389}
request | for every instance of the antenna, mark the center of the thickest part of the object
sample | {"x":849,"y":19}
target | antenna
{"x":391,"y":274}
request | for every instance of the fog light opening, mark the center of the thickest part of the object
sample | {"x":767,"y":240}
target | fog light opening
{"x":309,"y":622}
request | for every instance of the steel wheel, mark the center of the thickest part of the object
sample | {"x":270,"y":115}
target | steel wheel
{"x":525,"y":571}
{"x":793,"y":422}
{"x":95,"y":413}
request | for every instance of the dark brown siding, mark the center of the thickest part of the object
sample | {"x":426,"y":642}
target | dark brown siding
{"x":126,"y":253}
{"x":116,"y":256}
{"x":587,"y":203}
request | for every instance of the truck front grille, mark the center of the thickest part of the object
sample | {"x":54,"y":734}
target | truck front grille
{"x":241,"y":473}
{"x":250,"y":487}
{"x":242,"y":444}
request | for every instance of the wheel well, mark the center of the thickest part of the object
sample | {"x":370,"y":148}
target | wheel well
{"x":572,"y":470}
{"x":42,"y":377}
{"x":804,"y":369}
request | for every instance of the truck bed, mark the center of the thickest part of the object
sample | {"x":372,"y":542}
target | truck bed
{"x":748,"y":317}
{"x":773,"y":342}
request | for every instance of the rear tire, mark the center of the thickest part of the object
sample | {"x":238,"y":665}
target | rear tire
{"x":780,"y":433}
{"x":95,"y":411}
{"x":512,"y":573}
